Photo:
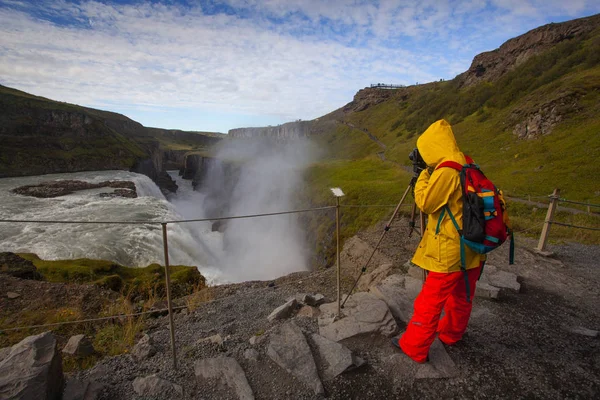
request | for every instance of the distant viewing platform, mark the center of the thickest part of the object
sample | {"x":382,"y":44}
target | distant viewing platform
{"x":386,"y":86}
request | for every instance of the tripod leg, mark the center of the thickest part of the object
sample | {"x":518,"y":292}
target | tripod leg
{"x":387,"y":228}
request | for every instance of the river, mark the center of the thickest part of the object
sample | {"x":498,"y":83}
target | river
{"x":132,"y":245}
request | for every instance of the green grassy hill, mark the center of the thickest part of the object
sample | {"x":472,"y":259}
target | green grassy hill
{"x":41,"y":136}
{"x":531,"y":129}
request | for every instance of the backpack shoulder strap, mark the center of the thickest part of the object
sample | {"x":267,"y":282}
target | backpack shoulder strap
{"x":450,"y":164}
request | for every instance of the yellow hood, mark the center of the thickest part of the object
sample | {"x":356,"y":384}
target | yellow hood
{"x":437,"y":144}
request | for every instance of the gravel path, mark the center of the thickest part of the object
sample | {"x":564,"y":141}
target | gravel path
{"x":517,"y":347}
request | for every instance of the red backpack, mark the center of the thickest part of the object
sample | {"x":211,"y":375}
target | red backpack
{"x":485,"y":218}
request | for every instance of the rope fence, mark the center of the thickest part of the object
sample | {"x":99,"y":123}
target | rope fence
{"x":155,"y":311}
{"x":554,"y":199}
{"x":574,"y":226}
{"x":552,"y":206}
{"x":164,"y":224}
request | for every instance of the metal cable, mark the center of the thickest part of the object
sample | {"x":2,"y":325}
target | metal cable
{"x":251,"y":216}
{"x":167,"y":222}
{"x":574,"y":226}
{"x":577,"y":202}
{"x":17,"y":328}
{"x":371,"y":206}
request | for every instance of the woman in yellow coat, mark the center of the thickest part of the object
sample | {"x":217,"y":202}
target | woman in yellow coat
{"x":439,"y":250}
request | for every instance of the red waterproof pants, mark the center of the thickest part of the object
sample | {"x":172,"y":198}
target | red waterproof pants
{"x":440,"y":292}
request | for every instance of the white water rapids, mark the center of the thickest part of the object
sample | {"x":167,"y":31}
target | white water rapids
{"x":131,"y":245}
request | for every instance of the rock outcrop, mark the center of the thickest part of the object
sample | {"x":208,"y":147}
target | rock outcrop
{"x":290,"y":130}
{"x":32,"y":369}
{"x":289,"y":349}
{"x":363,"y":313}
{"x":65,"y":187}
{"x":13,"y":265}
{"x":492,"y":65}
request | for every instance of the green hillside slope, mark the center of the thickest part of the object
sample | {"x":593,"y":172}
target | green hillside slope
{"x":41,"y":136}
{"x":556,"y":92}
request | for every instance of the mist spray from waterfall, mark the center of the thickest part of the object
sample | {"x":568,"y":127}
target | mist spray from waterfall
{"x":254,"y":177}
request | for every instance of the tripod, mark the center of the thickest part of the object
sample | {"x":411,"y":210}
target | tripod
{"x":410,"y":187}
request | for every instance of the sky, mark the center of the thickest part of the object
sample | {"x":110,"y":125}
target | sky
{"x":209,"y":65}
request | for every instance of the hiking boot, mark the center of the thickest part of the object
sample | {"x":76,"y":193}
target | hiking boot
{"x":396,"y":342}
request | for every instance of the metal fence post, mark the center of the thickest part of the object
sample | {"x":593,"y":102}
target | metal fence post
{"x":168,"y":284}
{"x":337,"y":234}
{"x":546,"y":229}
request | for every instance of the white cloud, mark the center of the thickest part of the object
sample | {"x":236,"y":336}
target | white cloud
{"x":182,"y":57}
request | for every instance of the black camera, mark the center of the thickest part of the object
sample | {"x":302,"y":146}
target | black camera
{"x":418,"y":162}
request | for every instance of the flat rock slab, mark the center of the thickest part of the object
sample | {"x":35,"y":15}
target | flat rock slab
{"x":398,"y":292}
{"x":283,"y":311}
{"x":156,"y":387}
{"x":500,"y":279}
{"x":227,"y":369}
{"x":486,"y":291}
{"x":32,"y":369}
{"x":289,"y":349}
{"x":406,"y":371}
{"x":440,"y":364}
{"x":363,"y":313}
{"x":336,"y":357}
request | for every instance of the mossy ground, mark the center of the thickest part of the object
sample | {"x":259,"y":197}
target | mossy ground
{"x":137,"y":282}
{"x":137,"y":290}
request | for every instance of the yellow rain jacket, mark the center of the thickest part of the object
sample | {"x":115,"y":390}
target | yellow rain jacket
{"x":441,"y":252}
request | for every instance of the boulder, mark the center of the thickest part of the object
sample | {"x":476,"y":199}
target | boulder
{"x":289,"y":349}
{"x":364,"y":313}
{"x":229,"y":370}
{"x":12,"y":295}
{"x":283,"y":311}
{"x":32,"y":369}
{"x":313,"y":300}
{"x":374,"y":277}
{"x":356,"y":253}
{"x":336,"y":357}
{"x":13,"y":265}
{"x":79,"y":346}
{"x":486,"y":291}
{"x":82,"y":390}
{"x":154,"y":386}
{"x":500,"y":279}
{"x":144,"y":348}
{"x":398,"y":292}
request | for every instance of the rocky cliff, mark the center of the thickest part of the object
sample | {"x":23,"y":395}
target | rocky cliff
{"x":492,"y":65}
{"x":290,"y":130}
